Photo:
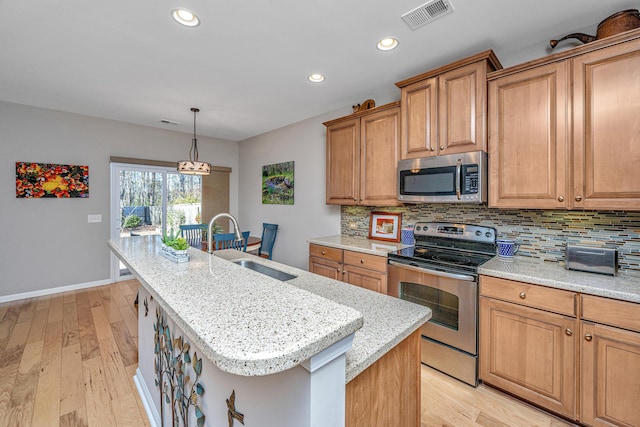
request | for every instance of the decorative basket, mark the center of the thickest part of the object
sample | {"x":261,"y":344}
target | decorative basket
{"x":173,"y":254}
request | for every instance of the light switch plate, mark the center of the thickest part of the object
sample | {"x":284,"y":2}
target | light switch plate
{"x":94,"y":218}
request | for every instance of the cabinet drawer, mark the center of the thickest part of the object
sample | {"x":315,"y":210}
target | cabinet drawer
{"x":555,"y":300}
{"x":611,"y":312}
{"x":372,"y":262}
{"x":325,"y":252}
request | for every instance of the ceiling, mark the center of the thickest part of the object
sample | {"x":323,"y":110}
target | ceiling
{"x":246,"y":65}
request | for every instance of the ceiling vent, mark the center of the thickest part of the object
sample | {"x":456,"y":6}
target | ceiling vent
{"x":426,"y":13}
{"x":170,"y":122}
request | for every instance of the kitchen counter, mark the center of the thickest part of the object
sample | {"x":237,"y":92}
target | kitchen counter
{"x":624,"y":287}
{"x":244,"y":322}
{"x":358,"y":244}
{"x":387,"y":320}
{"x":250,"y":324}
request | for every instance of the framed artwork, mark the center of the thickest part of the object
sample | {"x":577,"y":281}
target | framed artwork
{"x":385,"y":226}
{"x":37,"y":180}
{"x":277,"y":183}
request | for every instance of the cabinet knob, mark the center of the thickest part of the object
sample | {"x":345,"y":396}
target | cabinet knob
{"x":561,"y":198}
{"x":338,"y":270}
{"x":343,"y":272}
{"x":432,"y":149}
{"x":361,"y":261}
{"x":568,"y":331}
{"x":323,"y":252}
{"x":588,"y":337}
{"x":442,"y":147}
{"x":523,"y":295}
{"x":578,"y":198}
{"x":355,"y":199}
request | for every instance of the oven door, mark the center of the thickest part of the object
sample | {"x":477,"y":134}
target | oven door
{"x":452,"y":298}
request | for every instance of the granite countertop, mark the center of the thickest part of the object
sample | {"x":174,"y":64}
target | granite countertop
{"x":387,"y":320}
{"x":624,"y":287}
{"x":244,"y":322}
{"x":247,"y":323}
{"x":358,"y":244}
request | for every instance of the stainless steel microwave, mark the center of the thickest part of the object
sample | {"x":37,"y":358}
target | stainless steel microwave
{"x":451,"y":178}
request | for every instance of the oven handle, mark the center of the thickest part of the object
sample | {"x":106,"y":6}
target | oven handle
{"x":464,"y":277}
{"x":458,"y":178}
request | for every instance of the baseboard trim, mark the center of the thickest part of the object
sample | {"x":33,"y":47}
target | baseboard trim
{"x":50,"y":291}
{"x":147,"y":401}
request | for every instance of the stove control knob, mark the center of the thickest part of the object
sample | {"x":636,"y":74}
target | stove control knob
{"x":487,"y":234}
{"x":478,"y":233}
{"x":418,"y":228}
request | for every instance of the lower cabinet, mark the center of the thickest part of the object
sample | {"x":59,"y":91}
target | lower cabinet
{"x":610,"y":363}
{"x":356,"y":268}
{"x":575,"y":355}
{"x":528,"y":351}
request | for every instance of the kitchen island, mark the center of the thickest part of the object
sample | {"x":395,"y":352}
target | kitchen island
{"x":307,"y":352}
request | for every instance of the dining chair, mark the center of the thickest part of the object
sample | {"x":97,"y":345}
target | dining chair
{"x":269,"y":232}
{"x":228,"y":241}
{"x":193,"y":233}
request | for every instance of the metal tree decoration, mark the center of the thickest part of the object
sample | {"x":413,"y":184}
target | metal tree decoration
{"x":171,"y":359}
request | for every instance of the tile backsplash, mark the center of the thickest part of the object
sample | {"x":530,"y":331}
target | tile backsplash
{"x":542,"y":234}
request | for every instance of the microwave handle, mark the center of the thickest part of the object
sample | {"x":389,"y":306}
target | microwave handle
{"x":458,"y":180}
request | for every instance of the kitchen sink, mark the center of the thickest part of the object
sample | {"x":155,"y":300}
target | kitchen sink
{"x":261,"y":268}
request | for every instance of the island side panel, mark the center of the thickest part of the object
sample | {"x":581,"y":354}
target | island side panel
{"x":387,"y":393}
{"x":277,"y":400}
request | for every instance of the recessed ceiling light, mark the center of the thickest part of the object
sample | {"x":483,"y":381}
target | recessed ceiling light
{"x":316,"y":78}
{"x":185,"y":17}
{"x":387,"y":43}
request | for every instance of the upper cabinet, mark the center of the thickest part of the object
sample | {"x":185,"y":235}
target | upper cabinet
{"x":564,"y":130}
{"x":444,"y":111}
{"x":362,"y":157}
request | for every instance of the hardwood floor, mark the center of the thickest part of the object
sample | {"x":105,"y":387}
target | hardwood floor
{"x":68,"y":360}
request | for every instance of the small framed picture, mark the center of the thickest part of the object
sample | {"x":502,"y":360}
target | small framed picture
{"x":385,"y":226}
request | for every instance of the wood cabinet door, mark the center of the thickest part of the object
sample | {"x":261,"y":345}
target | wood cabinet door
{"x":462,"y":109}
{"x":606,"y":142}
{"x":528,"y":138}
{"x":419,"y":106}
{"x":343,"y":162}
{"x":529,"y":352}
{"x":368,"y":279}
{"x":325,"y":267}
{"x":610,"y":365}
{"x":379,"y":155}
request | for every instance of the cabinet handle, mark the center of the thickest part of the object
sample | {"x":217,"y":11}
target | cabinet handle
{"x":523,"y":295}
{"x":432,"y":149}
{"x":568,"y":331}
{"x":578,"y":198}
{"x":338,"y":270}
{"x":561,"y":198}
{"x":355,"y":199}
{"x":343,"y":272}
{"x":323,"y":252}
{"x":361,"y":261}
{"x":588,"y":337}
{"x":442,"y":147}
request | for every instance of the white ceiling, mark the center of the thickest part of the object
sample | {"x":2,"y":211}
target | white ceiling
{"x":246,"y":65}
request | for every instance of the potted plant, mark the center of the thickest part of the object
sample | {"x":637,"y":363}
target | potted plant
{"x":175,"y":246}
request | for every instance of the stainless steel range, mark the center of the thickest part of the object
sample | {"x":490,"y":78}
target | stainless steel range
{"x":441,"y":272}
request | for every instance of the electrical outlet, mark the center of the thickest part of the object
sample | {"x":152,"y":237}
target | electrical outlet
{"x":353,"y":225}
{"x":94,"y":218}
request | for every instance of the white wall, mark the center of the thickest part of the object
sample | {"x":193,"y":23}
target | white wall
{"x":47,"y":243}
{"x":309,"y":216}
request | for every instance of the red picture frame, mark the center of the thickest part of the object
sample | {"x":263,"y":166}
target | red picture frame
{"x":385,"y":226}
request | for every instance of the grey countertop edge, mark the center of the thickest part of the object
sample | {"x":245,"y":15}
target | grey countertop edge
{"x":387,"y":320}
{"x":625,"y":287}
{"x":358,"y":244}
{"x":234,"y":365}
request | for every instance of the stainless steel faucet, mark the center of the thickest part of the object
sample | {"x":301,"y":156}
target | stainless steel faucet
{"x":239,"y":237}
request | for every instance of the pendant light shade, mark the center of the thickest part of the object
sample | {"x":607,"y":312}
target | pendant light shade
{"x":193,"y":166}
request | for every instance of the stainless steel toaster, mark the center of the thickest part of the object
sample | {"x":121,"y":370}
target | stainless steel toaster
{"x":593,"y":260}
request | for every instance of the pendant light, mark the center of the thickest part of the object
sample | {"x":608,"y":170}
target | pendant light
{"x":193,"y":166}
